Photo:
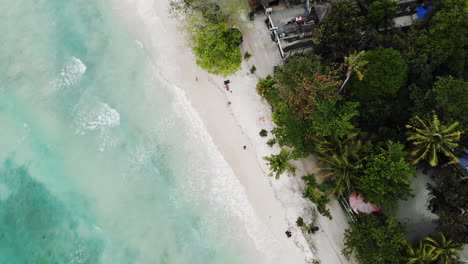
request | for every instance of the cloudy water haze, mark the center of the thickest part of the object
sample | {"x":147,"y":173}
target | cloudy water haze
{"x":101,"y":159}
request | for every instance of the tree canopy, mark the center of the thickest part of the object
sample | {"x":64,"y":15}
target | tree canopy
{"x":375,"y":239}
{"x":449,"y":96}
{"x":216,"y":48}
{"x":339,"y":33}
{"x":381,"y":12}
{"x":317,"y":193}
{"x":334,"y":117}
{"x":432,"y":139}
{"x":385,"y":73}
{"x":448,"y":200}
{"x":439,"y":46}
{"x":386,"y":176}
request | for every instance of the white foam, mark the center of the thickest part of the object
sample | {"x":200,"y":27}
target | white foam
{"x":225,"y":189}
{"x":102,"y":119}
{"x":70,"y":74}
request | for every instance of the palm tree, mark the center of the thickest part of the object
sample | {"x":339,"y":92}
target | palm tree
{"x":280,"y":163}
{"x":432,"y":139}
{"x":339,"y":159}
{"x":420,"y":255}
{"x":446,"y":250}
{"x":355,"y":64}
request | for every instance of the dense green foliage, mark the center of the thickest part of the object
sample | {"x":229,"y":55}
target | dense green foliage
{"x":448,"y":97}
{"x":340,"y":160}
{"x":432,"y":139}
{"x":433,"y":251}
{"x":267,"y":90}
{"x":213,"y":41}
{"x":446,"y":250}
{"x":279,"y":163}
{"x":386,"y":176}
{"x":439,"y":46}
{"x":420,"y":255}
{"x":378,"y":91}
{"x":449,"y":201}
{"x":385,"y":73}
{"x":339,"y":33}
{"x":349,"y":101}
{"x":381,"y":12}
{"x":216,"y":48}
{"x":334,"y":117}
{"x":318,"y":193}
{"x":374,"y":239}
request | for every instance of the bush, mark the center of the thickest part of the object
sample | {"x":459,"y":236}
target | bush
{"x":300,"y":221}
{"x":271,"y":142}
{"x":267,"y":90}
{"x":253,"y":69}
{"x":247,"y":55}
{"x":216,"y":48}
{"x":317,"y":193}
{"x":374,"y":239}
{"x":263,"y":133}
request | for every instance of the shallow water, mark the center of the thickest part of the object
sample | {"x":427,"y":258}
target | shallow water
{"x":101,"y":161}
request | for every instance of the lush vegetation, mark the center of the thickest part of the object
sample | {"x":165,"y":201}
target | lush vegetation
{"x":212,"y":35}
{"x":280,"y":164}
{"x":432,"y":250}
{"x":375,"y":239}
{"x":448,"y":200}
{"x":386,"y":176}
{"x":376,"y":103}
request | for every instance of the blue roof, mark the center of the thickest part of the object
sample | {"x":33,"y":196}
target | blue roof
{"x":421,"y":11}
{"x":464,"y":161}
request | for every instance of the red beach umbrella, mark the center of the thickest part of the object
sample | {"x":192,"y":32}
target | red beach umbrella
{"x":359,"y":206}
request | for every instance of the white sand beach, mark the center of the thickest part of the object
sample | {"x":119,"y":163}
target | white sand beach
{"x":277,"y":203}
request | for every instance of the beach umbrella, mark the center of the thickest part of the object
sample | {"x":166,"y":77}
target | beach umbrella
{"x":359,"y":206}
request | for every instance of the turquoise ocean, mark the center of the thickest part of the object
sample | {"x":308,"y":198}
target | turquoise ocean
{"x":101,"y":160}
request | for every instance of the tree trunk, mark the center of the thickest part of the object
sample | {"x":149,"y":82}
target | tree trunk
{"x":344,"y":83}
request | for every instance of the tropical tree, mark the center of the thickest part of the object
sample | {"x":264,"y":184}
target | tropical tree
{"x":375,"y":239}
{"x":421,"y":255}
{"x":279,"y":163}
{"x":448,"y":96}
{"x":446,"y":250}
{"x":340,"y":161}
{"x":381,"y":13}
{"x":448,"y":200}
{"x":334,"y":117}
{"x":216,"y":47}
{"x":386,"y":176}
{"x":339,"y":33}
{"x":317,"y":193}
{"x":430,"y":140}
{"x":355,"y":65}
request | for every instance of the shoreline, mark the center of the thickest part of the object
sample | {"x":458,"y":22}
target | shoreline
{"x":277,"y":203}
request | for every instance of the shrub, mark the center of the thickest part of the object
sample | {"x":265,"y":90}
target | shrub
{"x":271,"y":142}
{"x":253,"y":69}
{"x":247,"y":55}
{"x":267,"y":90}
{"x":300,"y":221}
{"x":263,"y":133}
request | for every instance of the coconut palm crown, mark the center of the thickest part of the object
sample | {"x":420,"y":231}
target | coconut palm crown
{"x":279,"y":163}
{"x":340,"y":161}
{"x":446,"y":250}
{"x":433,"y":138}
{"x":420,"y":255}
